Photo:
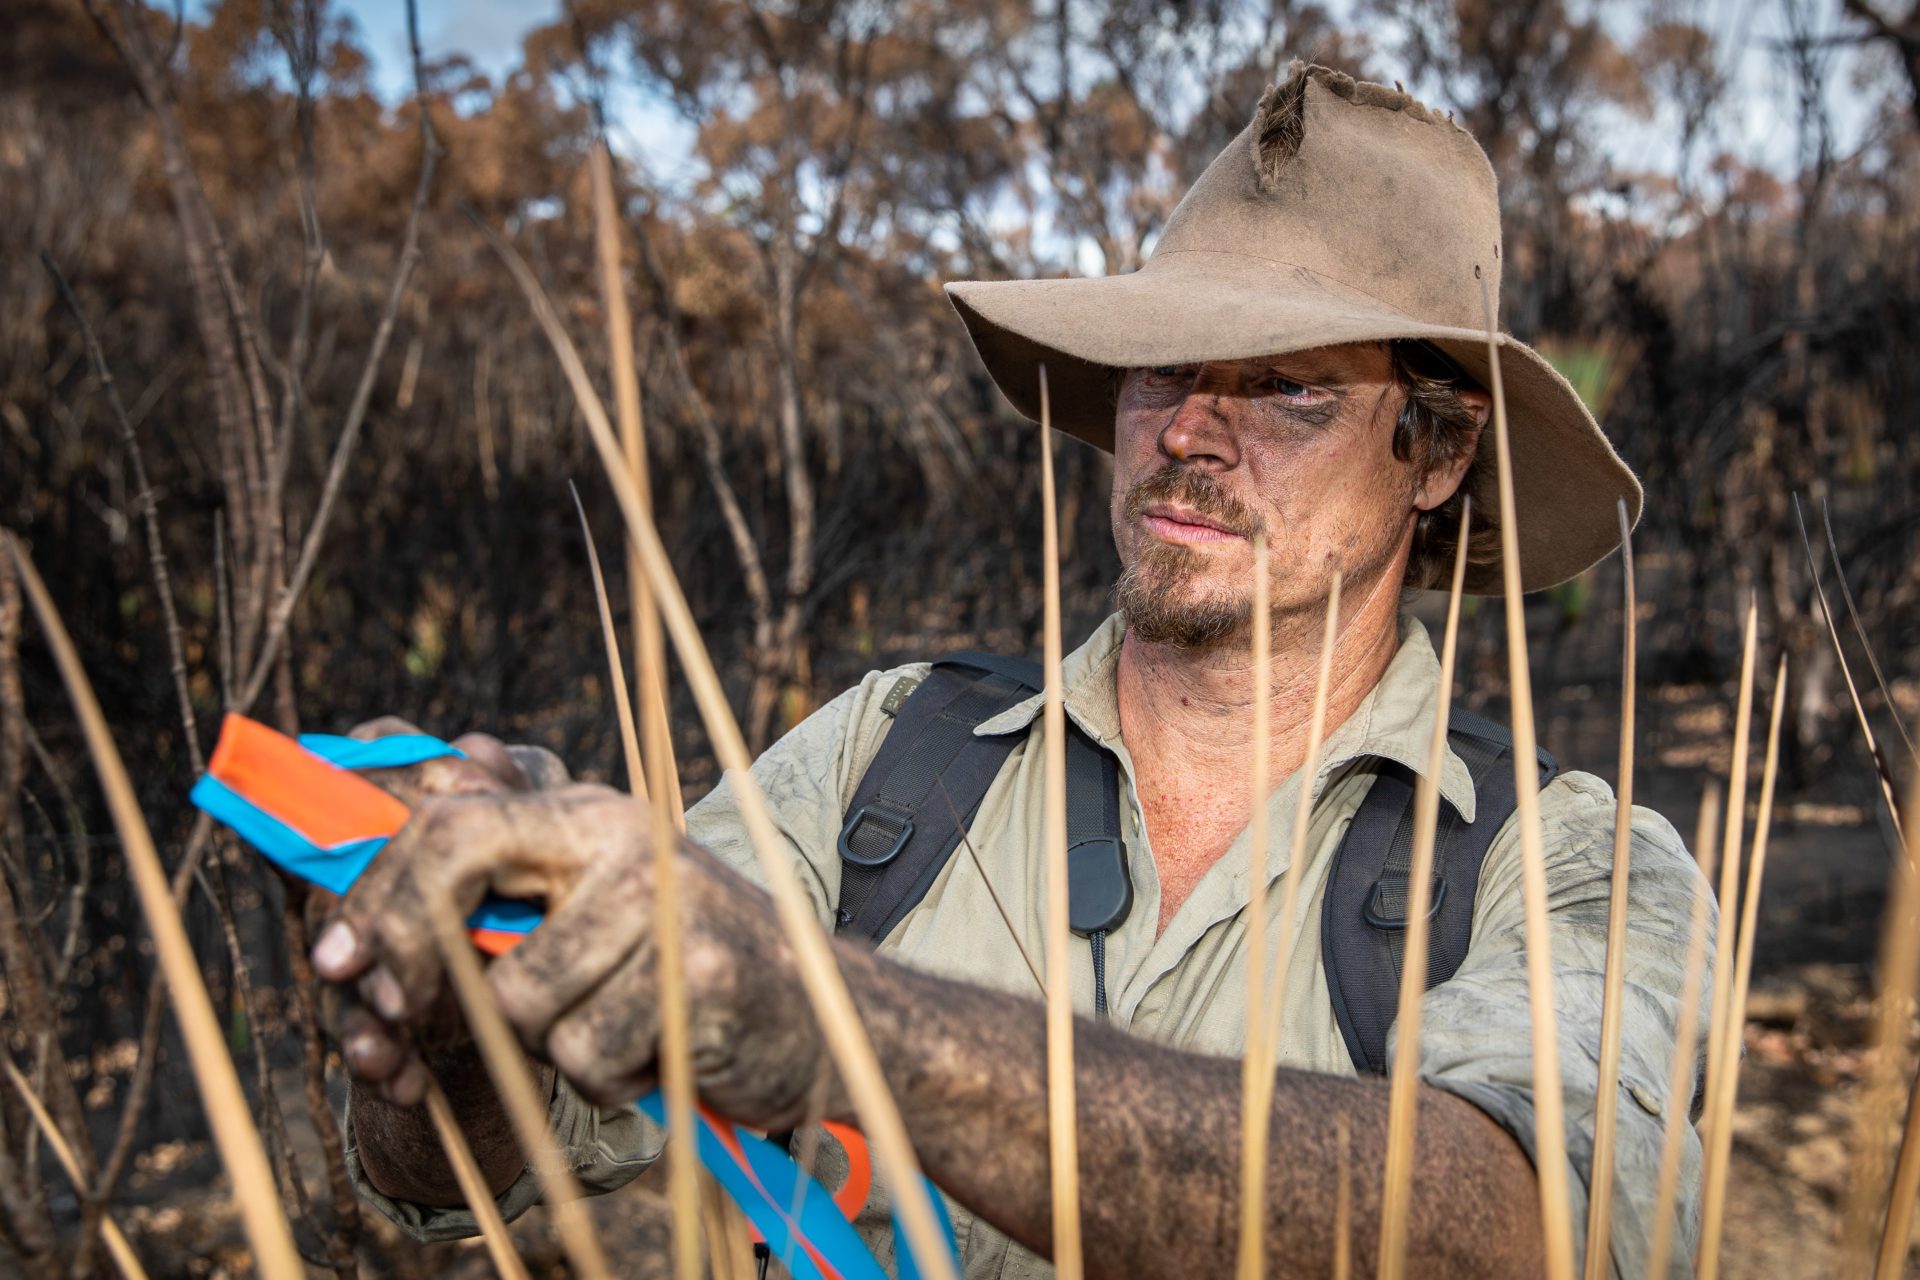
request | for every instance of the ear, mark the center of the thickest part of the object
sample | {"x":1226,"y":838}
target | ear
{"x":1440,"y":483}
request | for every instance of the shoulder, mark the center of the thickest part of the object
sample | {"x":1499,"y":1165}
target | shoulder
{"x":821,"y":758}
{"x":806,"y":779}
{"x":858,"y":719}
{"x":1578,"y":816}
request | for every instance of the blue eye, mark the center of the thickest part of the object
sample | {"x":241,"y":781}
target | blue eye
{"x":1289,"y":388}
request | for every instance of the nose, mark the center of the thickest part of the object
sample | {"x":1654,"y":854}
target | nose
{"x":1199,"y":432}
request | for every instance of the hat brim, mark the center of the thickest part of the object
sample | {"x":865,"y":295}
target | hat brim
{"x":1193,"y":307}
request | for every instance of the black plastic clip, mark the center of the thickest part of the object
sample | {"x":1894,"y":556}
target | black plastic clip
{"x":1375,"y":912}
{"x":1099,"y":890}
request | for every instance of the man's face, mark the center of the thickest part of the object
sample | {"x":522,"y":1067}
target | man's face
{"x":1298,"y":445}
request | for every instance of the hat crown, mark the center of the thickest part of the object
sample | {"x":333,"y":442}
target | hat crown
{"x":1358,"y":184}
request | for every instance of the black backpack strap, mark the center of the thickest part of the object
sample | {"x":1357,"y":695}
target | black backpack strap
{"x":923,"y":786}
{"x":1099,"y":884}
{"x":1363,"y":920}
{"x":927,"y":780}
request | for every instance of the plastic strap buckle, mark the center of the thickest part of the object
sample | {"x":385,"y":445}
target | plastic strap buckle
{"x":1378,"y":913}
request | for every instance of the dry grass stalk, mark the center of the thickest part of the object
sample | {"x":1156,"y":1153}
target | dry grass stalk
{"x":676,"y":1061}
{"x":1342,"y":1198}
{"x":732,"y":1252}
{"x":804,"y":1148}
{"x":1680,"y":1075}
{"x":234,"y":1134}
{"x":1859,"y":630}
{"x":1879,"y":1100}
{"x":110,"y":1233}
{"x":1062,"y":1128}
{"x":663,"y":772}
{"x":473,"y":1185}
{"x":1550,"y":1155}
{"x":1720,"y":1105}
{"x":999,"y":903}
{"x":846,"y":1038}
{"x":616,"y":669}
{"x":1297,"y":842}
{"x":1896,"y":1236}
{"x":1897,"y":1232}
{"x":1255,"y":1120}
{"x":520,"y":1094}
{"x":726,"y":1229}
{"x":1882,"y":771}
{"x":1599,"y":1260}
{"x":1730,"y":875}
{"x":1263,"y":1021}
{"x":1404,"y":1098}
{"x":633,"y":443}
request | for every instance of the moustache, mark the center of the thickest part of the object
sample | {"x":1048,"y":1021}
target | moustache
{"x":1197,"y":490}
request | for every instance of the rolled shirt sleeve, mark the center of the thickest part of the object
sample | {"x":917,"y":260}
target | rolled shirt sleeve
{"x":1477,"y":1036}
{"x":605,"y":1148}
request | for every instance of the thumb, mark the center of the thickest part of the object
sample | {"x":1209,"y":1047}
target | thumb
{"x":453,"y":851}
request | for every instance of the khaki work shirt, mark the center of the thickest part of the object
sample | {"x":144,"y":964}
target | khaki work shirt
{"x":1186,"y":987}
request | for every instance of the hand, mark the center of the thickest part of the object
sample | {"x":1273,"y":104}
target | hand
{"x":488,"y":765}
{"x":582,"y":988}
{"x":375,"y":1049}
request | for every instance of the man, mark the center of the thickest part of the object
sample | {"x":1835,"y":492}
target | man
{"x":1304,"y":355}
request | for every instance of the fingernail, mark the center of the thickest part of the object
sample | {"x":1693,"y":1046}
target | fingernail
{"x":385,"y":993}
{"x":357,"y":1049}
{"x":335,"y":949}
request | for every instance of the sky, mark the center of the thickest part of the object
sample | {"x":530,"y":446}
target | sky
{"x":487,"y":31}
{"x":1759,"y":124}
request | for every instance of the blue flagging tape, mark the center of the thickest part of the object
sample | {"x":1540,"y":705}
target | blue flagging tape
{"x":332,"y":868}
{"x":763,"y":1182}
{"x":395,"y":752}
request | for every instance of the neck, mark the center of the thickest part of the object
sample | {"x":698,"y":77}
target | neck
{"x":1191,"y":710}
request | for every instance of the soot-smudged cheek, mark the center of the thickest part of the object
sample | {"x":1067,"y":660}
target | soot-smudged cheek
{"x":1339,"y":472}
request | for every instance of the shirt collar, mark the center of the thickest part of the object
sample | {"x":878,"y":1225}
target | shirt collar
{"x":1394,"y":721}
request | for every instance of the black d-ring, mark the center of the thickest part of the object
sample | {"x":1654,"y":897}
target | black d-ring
{"x":890,"y":821}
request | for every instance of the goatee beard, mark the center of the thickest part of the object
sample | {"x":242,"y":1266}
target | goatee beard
{"x":1154,"y":589}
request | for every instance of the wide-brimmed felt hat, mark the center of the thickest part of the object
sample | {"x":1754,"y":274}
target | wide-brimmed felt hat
{"x":1345,"y":212}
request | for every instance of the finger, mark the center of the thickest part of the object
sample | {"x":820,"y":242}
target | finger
{"x":543,"y":770}
{"x":408,"y":1087}
{"x":443,"y":775}
{"x":338,"y":954}
{"x":606,"y":1043}
{"x":382,"y":727}
{"x":583,"y":939}
{"x":372,"y":1049}
{"x":440,"y":776}
{"x":451,"y":853}
{"x":495,"y":757}
{"x":381,"y":989}
{"x":384,"y":934}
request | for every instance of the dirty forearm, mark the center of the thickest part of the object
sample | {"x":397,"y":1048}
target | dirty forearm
{"x":1159,"y":1137}
{"x":401,"y":1153}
